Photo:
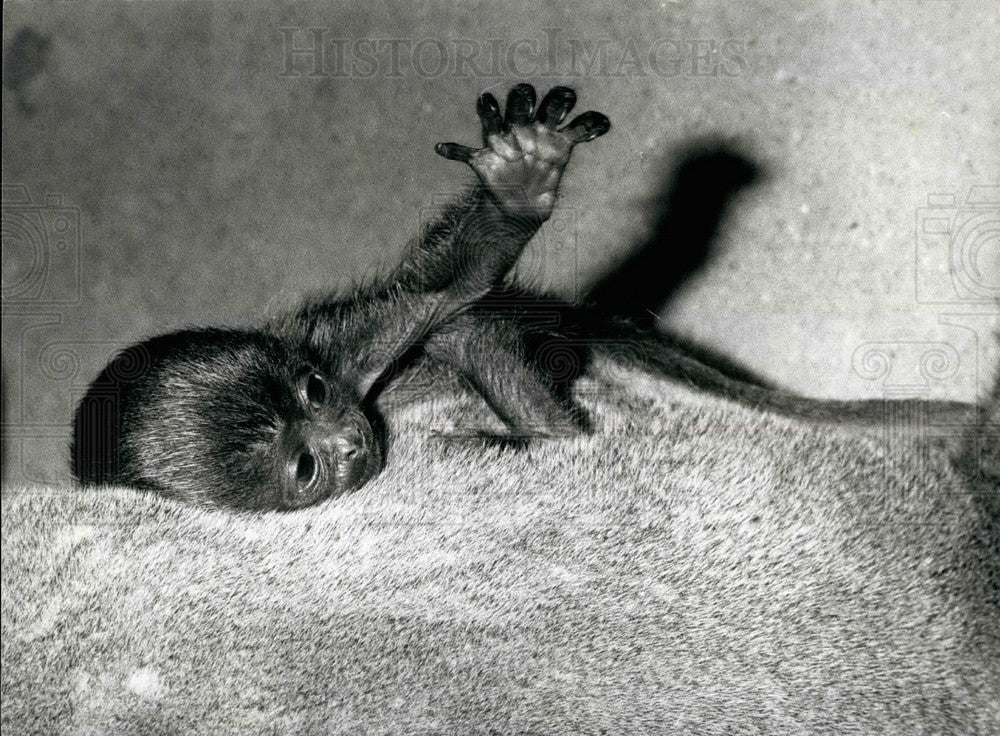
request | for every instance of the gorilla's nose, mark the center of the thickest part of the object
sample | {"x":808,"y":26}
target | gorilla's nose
{"x":340,"y":441}
{"x":348,"y":442}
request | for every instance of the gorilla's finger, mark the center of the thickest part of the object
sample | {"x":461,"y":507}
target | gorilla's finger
{"x":587,"y":127}
{"x":455,"y":151}
{"x":488,"y":110}
{"x":520,"y":105}
{"x":556,"y":106}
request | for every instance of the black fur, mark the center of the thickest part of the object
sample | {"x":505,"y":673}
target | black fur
{"x":285,"y":415}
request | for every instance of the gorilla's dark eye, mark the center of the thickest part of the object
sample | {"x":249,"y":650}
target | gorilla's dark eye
{"x":305,"y":469}
{"x":314,"y":389}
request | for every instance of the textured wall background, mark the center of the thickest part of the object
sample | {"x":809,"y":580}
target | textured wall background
{"x":178,"y":163}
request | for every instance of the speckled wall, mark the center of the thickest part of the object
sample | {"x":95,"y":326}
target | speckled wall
{"x":172,"y":163}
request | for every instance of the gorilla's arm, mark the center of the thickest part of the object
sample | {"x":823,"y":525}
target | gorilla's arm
{"x":279,"y":417}
{"x":458,"y":259}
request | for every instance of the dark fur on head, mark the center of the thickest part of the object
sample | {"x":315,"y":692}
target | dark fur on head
{"x":208,"y":416}
{"x":281,"y":417}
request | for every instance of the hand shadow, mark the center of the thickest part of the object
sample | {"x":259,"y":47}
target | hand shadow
{"x":692,"y":205}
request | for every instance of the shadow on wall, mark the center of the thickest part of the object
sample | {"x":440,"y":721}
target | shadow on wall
{"x":692,"y":206}
{"x":24,"y":60}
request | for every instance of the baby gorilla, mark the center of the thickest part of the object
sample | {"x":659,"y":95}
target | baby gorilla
{"x":283,"y":416}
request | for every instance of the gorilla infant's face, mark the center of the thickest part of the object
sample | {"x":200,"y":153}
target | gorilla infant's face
{"x":225,"y":418}
{"x":327,"y":446}
{"x":280,"y":436}
{"x":262,"y":434}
